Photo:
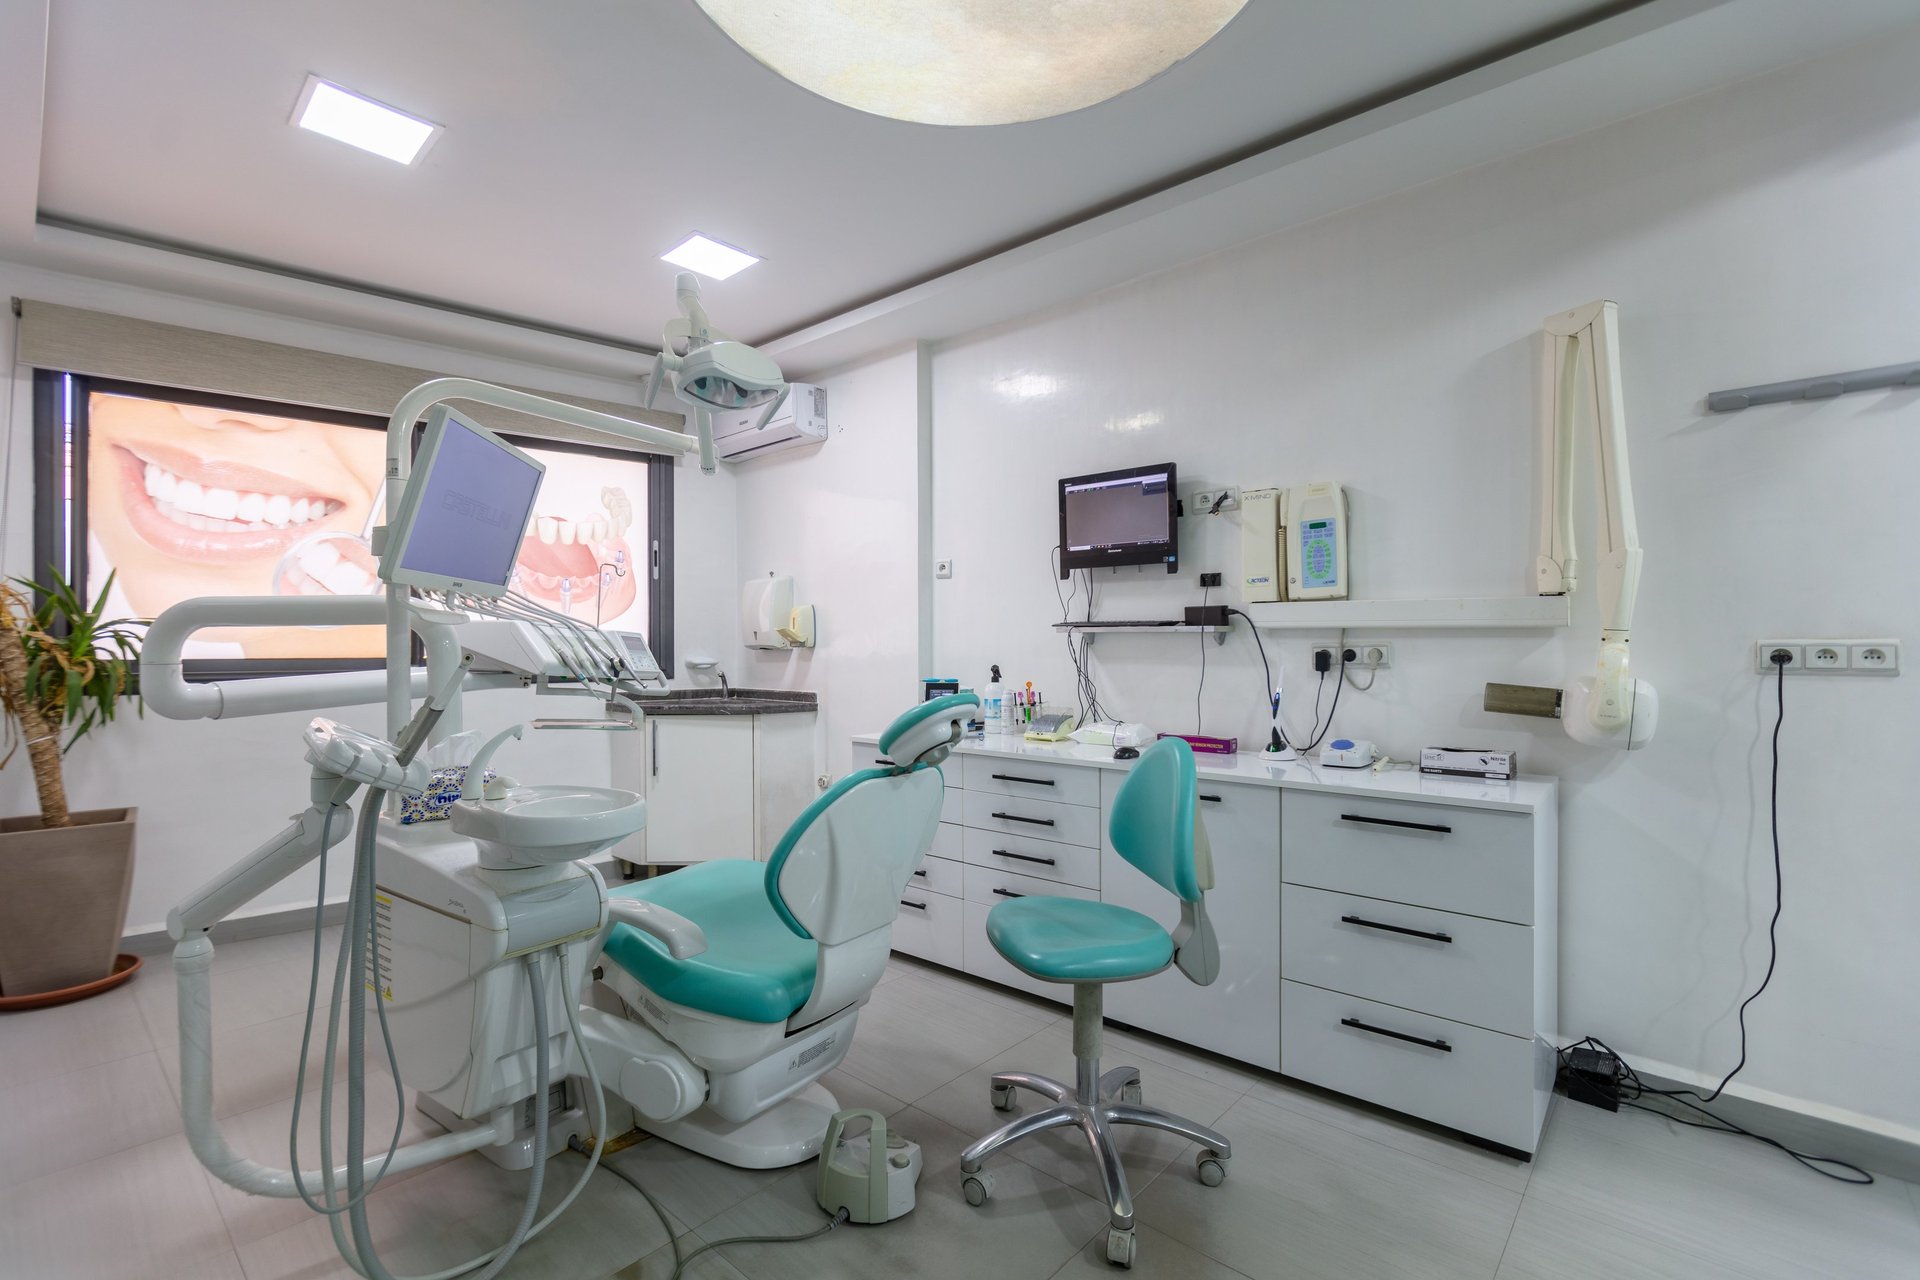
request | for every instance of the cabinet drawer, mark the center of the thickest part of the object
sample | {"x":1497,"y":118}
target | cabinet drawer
{"x":1038,"y":819}
{"x":982,"y":961}
{"x":1033,"y":779}
{"x":1477,"y":861}
{"x":1481,"y":1083}
{"x":929,"y":926}
{"x":1460,"y":967}
{"x":938,"y":875}
{"x":991,"y":887}
{"x":948,"y":840}
{"x":1047,"y":859}
{"x":950,"y":800}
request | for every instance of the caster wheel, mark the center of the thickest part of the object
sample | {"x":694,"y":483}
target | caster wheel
{"x":1003,"y":1099}
{"x":1120,"y":1247}
{"x":976,"y":1187}
{"x":1213,"y":1170}
{"x":1130,"y":1093}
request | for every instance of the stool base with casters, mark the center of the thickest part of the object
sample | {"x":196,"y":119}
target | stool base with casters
{"x":1094,"y":1105}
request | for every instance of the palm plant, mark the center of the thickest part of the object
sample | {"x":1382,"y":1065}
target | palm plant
{"x":63,"y":669}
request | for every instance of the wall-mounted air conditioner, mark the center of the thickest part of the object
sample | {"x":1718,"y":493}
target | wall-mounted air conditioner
{"x":802,"y":420}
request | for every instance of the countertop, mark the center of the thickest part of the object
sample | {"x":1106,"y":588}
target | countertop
{"x":741,"y":702}
{"x":1529,"y":793}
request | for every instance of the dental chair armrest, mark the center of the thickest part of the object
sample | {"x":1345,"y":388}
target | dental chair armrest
{"x":681,"y":936}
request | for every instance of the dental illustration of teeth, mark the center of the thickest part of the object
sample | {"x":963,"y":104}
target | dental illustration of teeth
{"x":226,"y":510}
{"x":325,"y":565}
{"x":590,"y":529}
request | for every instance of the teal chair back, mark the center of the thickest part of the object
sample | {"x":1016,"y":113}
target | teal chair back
{"x":1156,"y":827}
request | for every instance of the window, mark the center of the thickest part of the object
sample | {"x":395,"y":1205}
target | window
{"x":178,"y":494}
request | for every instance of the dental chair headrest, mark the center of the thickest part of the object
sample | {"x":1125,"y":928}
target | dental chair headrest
{"x":927,"y":733}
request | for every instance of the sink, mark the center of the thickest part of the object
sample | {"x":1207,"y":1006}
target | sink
{"x":535,"y":825}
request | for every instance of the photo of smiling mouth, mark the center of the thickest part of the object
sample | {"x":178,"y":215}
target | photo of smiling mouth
{"x":211,"y":510}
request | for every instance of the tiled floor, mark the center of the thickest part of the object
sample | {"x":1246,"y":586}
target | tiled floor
{"x":96,"y":1180}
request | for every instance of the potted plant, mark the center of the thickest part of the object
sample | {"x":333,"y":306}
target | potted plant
{"x":64,"y":875}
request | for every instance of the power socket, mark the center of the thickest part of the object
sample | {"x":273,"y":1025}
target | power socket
{"x":1209,"y":579}
{"x":1228,"y":498}
{"x":1364,"y":655}
{"x":1831,"y":657}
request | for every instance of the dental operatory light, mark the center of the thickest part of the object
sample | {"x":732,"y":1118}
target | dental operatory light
{"x":708,"y":370}
{"x":970,"y":62}
{"x":709,"y":257}
{"x":345,"y":116}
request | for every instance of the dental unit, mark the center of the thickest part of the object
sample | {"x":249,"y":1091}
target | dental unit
{"x":726,"y":990}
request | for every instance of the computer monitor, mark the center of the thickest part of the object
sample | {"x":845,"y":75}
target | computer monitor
{"x":1119,"y":518}
{"x":465,"y":509}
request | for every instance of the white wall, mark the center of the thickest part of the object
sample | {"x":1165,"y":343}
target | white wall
{"x":209,"y":791}
{"x":1758,"y":233}
{"x":843,"y":520}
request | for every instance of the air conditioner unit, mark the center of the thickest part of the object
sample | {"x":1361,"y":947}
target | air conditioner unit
{"x":801,"y":420}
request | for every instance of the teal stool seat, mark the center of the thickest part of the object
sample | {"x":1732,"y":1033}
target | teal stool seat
{"x":1071,"y":940}
{"x":754,"y":968}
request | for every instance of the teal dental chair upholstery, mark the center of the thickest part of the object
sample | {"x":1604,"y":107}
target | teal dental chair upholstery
{"x":1155,"y":826}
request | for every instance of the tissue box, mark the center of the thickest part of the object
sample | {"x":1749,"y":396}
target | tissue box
{"x":442,"y":790}
{"x":1469,"y":762}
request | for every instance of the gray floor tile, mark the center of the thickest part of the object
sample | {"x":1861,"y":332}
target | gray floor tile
{"x":1158,"y":1257}
{"x":40,"y":1043}
{"x":1722,"y":1198}
{"x":1551,"y":1241}
{"x":136,"y":1214}
{"x":691,"y":1187}
{"x":659,"y":1264}
{"x":258,"y":1065}
{"x":1399,"y":1133}
{"x":967,"y":1105}
{"x":1129,"y":1046}
{"x":70,"y":1119}
{"x":1031,"y":1227}
{"x":242,"y":997}
{"x":1307,"y":1199}
{"x":915,"y":1035}
{"x":1020,"y":1002}
{"x":851,"y":1091}
{"x":224,"y":1267}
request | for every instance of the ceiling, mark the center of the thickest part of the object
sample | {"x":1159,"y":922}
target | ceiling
{"x":583,"y":140}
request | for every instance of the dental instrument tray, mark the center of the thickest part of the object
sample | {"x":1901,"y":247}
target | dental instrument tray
{"x":1209,"y":746}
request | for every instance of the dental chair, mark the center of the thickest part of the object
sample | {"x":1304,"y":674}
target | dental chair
{"x":740,"y":981}
{"x":1156,"y":827}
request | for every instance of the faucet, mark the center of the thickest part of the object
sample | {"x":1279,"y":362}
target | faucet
{"x":726,"y":690}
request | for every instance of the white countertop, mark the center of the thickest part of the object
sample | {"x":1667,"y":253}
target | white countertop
{"x":1529,"y":793}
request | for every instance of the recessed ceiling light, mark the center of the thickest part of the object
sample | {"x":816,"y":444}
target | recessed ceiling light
{"x":709,"y":257}
{"x":359,"y":121}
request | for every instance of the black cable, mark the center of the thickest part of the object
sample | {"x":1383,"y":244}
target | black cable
{"x":1320,"y":733}
{"x":1199,"y":720}
{"x":1278,"y":739}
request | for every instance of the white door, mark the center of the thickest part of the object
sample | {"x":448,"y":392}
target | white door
{"x":1239,"y":1014}
{"x":699,"y":788}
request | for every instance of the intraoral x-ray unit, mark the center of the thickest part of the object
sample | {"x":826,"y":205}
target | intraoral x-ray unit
{"x":473,"y":938}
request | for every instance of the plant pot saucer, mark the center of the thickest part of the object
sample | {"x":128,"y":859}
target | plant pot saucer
{"x":124,"y":967}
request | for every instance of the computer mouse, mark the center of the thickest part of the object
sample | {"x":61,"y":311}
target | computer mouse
{"x":1126,"y":753}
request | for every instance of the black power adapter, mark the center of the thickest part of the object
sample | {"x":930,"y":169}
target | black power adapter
{"x":1591,"y":1076}
{"x":1206,"y":615}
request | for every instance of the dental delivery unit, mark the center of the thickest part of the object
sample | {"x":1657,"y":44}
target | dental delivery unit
{"x":471,"y":945}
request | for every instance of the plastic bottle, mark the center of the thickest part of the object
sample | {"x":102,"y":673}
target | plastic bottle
{"x":992,"y":703}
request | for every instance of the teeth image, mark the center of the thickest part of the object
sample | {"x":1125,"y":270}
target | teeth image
{"x":549,"y":529}
{"x":346,"y":580}
{"x":165,"y":485}
{"x":187,"y":496}
{"x":221,"y":504}
{"x":279,"y":510}
{"x":566,"y":532}
{"x":599,"y":529}
{"x":152,"y":478}
{"x":252,"y":507}
{"x":299,"y":511}
{"x":319,"y":558}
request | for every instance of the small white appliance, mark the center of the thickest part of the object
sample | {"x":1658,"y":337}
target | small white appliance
{"x":768,"y":617}
{"x":1347,"y":753}
{"x":1107,"y":733}
{"x":1262,"y":573}
{"x":871,"y":1175}
{"x":801,"y":420}
{"x":1316,"y":556}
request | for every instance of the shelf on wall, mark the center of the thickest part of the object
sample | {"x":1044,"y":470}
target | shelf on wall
{"x":1219,"y":634}
{"x":1488,"y":612}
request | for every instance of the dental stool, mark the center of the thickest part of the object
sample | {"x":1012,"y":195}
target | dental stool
{"x":740,"y":982}
{"x":1156,"y":827}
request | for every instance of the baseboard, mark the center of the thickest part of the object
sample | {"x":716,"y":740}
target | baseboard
{"x":1814,"y":1128}
{"x":154,"y":942}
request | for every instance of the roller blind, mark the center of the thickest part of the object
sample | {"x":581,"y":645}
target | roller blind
{"x":75,"y":340}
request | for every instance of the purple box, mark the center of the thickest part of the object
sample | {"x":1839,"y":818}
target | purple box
{"x":1209,"y":746}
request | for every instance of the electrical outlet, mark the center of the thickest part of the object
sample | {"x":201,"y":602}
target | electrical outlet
{"x":1203,"y":501}
{"x":1838,"y":657}
{"x":1209,"y":579}
{"x":1362,"y":655}
{"x":943,"y":568}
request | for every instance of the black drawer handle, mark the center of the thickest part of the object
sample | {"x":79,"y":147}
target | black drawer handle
{"x":1388,"y":928}
{"x":1014,"y":817}
{"x":921,"y":873}
{"x":1395,"y":822}
{"x":1210,"y":799}
{"x":917,"y":906}
{"x":1014,"y":777}
{"x":1358,"y":1025}
{"x":1008,"y":893}
{"x":1024,"y":857}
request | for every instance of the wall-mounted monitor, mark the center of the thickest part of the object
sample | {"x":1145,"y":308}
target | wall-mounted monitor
{"x":1119,"y":518}
{"x":465,"y":509}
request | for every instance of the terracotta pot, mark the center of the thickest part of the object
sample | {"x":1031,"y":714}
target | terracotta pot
{"x":63,"y":899}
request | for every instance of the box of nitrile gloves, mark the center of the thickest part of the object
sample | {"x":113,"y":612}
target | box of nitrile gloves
{"x":1468,"y":762}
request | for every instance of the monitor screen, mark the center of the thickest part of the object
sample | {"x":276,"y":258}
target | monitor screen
{"x":465,"y":510}
{"x":1118,"y":518}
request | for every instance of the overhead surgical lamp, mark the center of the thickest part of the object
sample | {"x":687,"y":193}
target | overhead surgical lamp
{"x":709,"y":370}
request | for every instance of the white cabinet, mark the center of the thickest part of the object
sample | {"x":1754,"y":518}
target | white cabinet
{"x":699,"y":788}
{"x":1238,"y":1013}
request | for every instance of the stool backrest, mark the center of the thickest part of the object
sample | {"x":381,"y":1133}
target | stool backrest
{"x":1156,"y":826}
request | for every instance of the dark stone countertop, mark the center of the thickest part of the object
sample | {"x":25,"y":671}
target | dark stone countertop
{"x":740,"y":702}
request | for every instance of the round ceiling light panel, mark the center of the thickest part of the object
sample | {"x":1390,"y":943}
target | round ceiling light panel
{"x":970,"y":62}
